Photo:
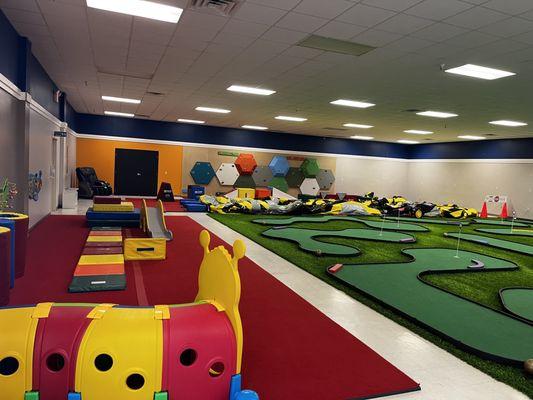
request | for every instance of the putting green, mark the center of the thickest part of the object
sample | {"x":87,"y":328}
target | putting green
{"x":518,"y":301}
{"x":388,"y":226}
{"x":489,"y":241}
{"x":500,"y":222}
{"x":436,"y":220}
{"x":506,"y":231}
{"x":485,"y":331}
{"x":306,"y":239}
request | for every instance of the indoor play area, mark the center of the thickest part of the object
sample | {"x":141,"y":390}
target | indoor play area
{"x":266,"y":199}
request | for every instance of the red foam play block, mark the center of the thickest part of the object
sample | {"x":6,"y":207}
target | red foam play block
{"x":103,"y":269}
{"x":89,"y":251}
{"x":103,"y":244}
{"x":107,"y":200}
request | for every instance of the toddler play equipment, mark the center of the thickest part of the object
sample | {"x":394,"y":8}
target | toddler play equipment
{"x":5,"y":264}
{"x":19,"y":224}
{"x":141,"y":249}
{"x":165,"y":192}
{"x":495,"y":204}
{"x":95,"y":352}
{"x":90,"y":185}
{"x":246,"y":193}
{"x":101,"y":265}
{"x":153,"y":221}
{"x":194,"y":192}
{"x":112,"y":212}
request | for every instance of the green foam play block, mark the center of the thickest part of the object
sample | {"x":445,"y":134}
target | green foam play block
{"x":161,"y":396}
{"x":31,"y":396}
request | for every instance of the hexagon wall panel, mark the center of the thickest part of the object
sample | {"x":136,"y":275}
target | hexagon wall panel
{"x":325,"y":179}
{"x":295,"y":177}
{"x":279,"y":166}
{"x":227,"y":174}
{"x":245,"y":181}
{"x":280,"y":183}
{"x":310,"y":187}
{"x":245,"y":163}
{"x":202,"y":173}
{"x":262,"y":175}
{"x":310,"y":167}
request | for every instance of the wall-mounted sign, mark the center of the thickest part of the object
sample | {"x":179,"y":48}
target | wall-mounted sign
{"x":228,"y":153}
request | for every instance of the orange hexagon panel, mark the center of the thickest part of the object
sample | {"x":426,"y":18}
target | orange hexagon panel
{"x":245,"y":164}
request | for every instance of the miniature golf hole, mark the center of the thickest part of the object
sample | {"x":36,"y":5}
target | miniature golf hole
{"x":8,"y":366}
{"x":135,"y":381}
{"x":103,"y":362}
{"x":216,"y":369}
{"x":188,"y":357}
{"x":55,"y":362}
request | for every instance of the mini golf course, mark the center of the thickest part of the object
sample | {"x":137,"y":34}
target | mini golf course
{"x":518,"y":301}
{"x":490,"y":241}
{"x":500,"y":222}
{"x":306,"y":239}
{"x":435,"y":220}
{"x":385,"y":225}
{"x":506,"y":231}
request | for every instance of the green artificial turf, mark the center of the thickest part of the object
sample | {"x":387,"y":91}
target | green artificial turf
{"x":482,"y":288}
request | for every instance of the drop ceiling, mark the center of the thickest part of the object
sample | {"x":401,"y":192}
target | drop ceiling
{"x":175,"y":68}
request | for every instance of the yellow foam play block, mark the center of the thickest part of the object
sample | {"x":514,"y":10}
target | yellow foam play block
{"x":101,"y":259}
{"x":145,"y":249}
{"x":245,"y":193}
{"x":92,"y":238}
{"x":125,"y":206}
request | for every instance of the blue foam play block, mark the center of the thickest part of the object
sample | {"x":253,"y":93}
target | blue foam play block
{"x":113,"y":216}
{"x":6,"y":223}
{"x":195,"y":207}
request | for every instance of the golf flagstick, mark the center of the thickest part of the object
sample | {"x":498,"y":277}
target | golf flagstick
{"x":382,"y":225}
{"x":459,"y":240}
{"x":512,"y":221}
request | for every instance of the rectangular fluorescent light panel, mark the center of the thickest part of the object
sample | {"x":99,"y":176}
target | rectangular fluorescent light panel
{"x":360,"y":126}
{"x":255,"y":127}
{"x":471,"y":137}
{"x":418,"y":132}
{"x":139,"y":8}
{"x":119,"y":114}
{"x":362,"y":137}
{"x":405,"y":141}
{"x":508,"y":123}
{"x":293,"y":119}
{"x":121,"y":100}
{"x":352,"y":103}
{"x":250,"y":90}
{"x":436,"y":114}
{"x":213,"y":110}
{"x":477,"y":71}
{"x":190,"y":121}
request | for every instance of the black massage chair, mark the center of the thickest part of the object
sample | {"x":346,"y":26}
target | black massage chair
{"x":90,"y":185}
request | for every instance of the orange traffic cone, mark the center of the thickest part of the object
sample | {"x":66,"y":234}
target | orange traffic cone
{"x":484,"y":213}
{"x":504,"y":211}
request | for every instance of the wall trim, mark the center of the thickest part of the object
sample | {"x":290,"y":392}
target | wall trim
{"x":10,"y":88}
{"x":43,"y":112}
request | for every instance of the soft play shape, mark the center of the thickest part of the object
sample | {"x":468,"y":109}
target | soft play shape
{"x":325,"y":179}
{"x":245,"y":181}
{"x":279,"y":166}
{"x":145,"y":249}
{"x":310,"y":187}
{"x":165,"y":192}
{"x":262,"y":176}
{"x":294,"y":177}
{"x":202,"y":173}
{"x":5,"y":264}
{"x":279,"y":183}
{"x":227,"y":174}
{"x":153,"y":221}
{"x":245,"y":164}
{"x":246,"y":193}
{"x":94,"y":352}
{"x":310,"y":168}
{"x":20,"y":234}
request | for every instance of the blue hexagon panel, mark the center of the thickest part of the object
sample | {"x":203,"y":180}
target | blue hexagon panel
{"x":202,"y":173}
{"x":279,"y":166}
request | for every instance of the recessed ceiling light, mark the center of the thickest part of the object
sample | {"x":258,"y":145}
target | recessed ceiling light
{"x":250,"y":90}
{"x":293,"y":119}
{"x":436,"y":114}
{"x":477,"y":71}
{"x":471,"y":137}
{"x":418,"y":132}
{"x":504,"y":122}
{"x":139,"y":8}
{"x":121,"y":100}
{"x":405,"y":141}
{"x":119,"y":114}
{"x":255,"y":127}
{"x":362,"y":137}
{"x":360,"y":126}
{"x":352,"y":103}
{"x":213,"y":110}
{"x":190,"y":121}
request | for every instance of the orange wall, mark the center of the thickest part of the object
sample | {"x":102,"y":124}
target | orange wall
{"x":100,"y":154}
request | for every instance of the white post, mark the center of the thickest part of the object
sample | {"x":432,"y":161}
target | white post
{"x":459,"y":240}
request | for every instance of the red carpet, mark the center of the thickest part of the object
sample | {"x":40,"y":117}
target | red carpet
{"x":292,"y":351}
{"x":169,"y":206}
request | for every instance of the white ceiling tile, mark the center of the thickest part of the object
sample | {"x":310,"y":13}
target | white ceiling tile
{"x":363,"y":15}
{"x":340,"y":30}
{"x":228,"y":38}
{"x":394,"y":5}
{"x":409,"y":44}
{"x":196,"y":20}
{"x":476,"y":17}
{"x":438,"y":9}
{"x":283,"y":35}
{"x":302,"y":52}
{"x":325,"y":9}
{"x":245,"y":28}
{"x":28,"y":5}
{"x":439,"y":32}
{"x":471,"y":39}
{"x":403,"y":24}
{"x":259,"y":14}
{"x":282,"y":4}
{"x":376,"y":38}
{"x":439,"y":51}
{"x":23,"y":16}
{"x":510,"y":6}
{"x":301,"y":22}
{"x":508,"y":27}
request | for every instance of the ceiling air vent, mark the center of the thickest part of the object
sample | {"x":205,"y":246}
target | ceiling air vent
{"x":223,"y":7}
{"x":335,"y":45}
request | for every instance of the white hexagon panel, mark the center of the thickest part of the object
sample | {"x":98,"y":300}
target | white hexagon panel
{"x":310,"y":187}
{"x":227,"y":174}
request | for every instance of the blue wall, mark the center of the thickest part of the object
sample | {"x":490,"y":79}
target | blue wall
{"x":9,"y":50}
{"x":42,"y":87}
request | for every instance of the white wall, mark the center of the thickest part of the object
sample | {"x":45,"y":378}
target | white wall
{"x":70,"y":172}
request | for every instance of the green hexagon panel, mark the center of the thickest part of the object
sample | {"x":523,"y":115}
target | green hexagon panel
{"x":202,"y":173}
{"x":294,"y":177}
{"x":280,"y":183}
{"x":310,"y":167}
{"x":245,"y":181}
{"x":325,"y":179}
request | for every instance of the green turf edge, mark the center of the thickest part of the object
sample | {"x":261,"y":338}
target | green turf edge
{"x":512,"y":376}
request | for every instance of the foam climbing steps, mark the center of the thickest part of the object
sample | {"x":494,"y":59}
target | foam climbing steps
{"x":518,"y":301}
{"x":101,"y":264}
{"x":493,"y":242}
